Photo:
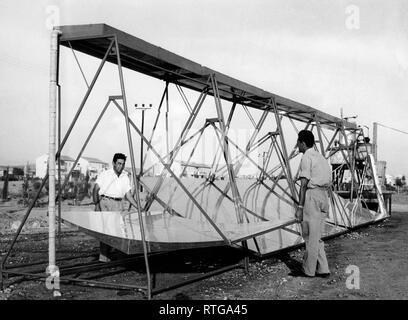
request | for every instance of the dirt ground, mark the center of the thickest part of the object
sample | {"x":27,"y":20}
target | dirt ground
{"x":378,"y":252}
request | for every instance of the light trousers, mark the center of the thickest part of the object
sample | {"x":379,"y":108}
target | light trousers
{"x":108,"y":205}
{"x":315,"y":210}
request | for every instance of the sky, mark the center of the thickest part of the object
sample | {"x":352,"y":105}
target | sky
{"x":331,"y":55}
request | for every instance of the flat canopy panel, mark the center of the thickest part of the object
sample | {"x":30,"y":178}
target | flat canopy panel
{"x":141,"y":56}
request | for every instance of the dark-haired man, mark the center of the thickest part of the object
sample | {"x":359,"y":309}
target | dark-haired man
{"x":315,"y":177}
{"x":111,"y":187}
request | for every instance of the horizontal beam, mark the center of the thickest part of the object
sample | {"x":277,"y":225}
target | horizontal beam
{"x":150,"y":59}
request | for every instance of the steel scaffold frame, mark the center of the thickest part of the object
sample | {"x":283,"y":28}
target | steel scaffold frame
{"x":232,"y":166}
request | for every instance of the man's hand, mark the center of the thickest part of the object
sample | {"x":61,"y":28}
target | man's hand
{"x":132,"y":200}
{"x":299,"y":214}
{"x":125,"y":213}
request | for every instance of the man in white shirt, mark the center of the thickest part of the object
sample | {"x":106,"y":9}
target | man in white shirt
{"x":315,"y":176}
{"x":111,"y":187}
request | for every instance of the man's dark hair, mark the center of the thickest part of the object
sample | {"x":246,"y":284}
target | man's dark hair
{"x":118,"y":156}
{"x":307,"y":137}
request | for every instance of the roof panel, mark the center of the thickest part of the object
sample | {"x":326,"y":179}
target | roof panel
{"x":141,"y":56}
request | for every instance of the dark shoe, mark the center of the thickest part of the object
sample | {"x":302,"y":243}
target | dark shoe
{"x":323,"y":275}
{"x":299,"y":273}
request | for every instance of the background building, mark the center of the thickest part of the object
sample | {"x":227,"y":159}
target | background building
{"x":92,"y":166}
{"x":41,"y":165}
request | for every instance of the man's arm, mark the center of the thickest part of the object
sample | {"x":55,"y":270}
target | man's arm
{"x":132,"y":201}
{"x":302,"y":193}
{"x":95,"y":197}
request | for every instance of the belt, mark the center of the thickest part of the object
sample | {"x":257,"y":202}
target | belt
{"x":320,"y":188}
{"x":107,"y":197}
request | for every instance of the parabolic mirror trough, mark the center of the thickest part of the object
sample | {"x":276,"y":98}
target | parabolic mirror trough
{"x":222,"y":203}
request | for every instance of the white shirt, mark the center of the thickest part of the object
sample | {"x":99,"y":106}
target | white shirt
{"x":316,"y":169}
{"x":113,"y":186}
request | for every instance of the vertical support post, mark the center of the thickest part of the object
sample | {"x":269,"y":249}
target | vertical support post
{"x":141,"y":145}
{"x":5,"y":184}
{"x":353,"y":166}
{"x":59,"y":146}
{"x":246,"y":258}
{"x":52,"y":268}
{"x":25,"y":185}
{"x":135,"y":178}
{"x":375,"y":128}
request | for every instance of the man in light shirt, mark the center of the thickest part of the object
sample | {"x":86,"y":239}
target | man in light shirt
{"x":315,"y":176}
{"x":111,"y":187}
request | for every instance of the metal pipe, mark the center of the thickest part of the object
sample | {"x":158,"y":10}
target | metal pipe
{"x":59,"y":146}
{"x":289,"y":176}
{"x":52,"y":268}
{"x":167,"y":119}
{"x":195,"y":279}
{"x":249,"y":115}
{"x":30,"y":264}
{"x":185,"y":100}
{"x":132,"y":159}
{"x":141,"y":146}
{"x":236,"y":198}
{"x":59,"y":161}
{"x":92,"y":283}
{"x":375,"y":130}
{"x":244,"y":207}
{"x":227,"y":157}
{"x":79,"y":66}
{"x":319,"y":135}
{"x":285,"y":224}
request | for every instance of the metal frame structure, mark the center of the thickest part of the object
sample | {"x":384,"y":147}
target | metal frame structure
{"x":124,"y":50}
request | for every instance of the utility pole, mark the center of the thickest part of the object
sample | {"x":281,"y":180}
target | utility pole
{"x":143,"y":108}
